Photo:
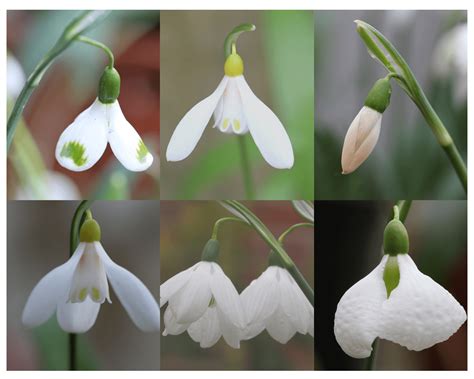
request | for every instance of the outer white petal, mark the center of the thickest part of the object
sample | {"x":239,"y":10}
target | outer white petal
{"x":49,"y":291}
{"x":361,"y":138}
{"x":174,"y":284}
{"x":189,"y":130}
{"x":192,"y":300}
{"x":305,"y":208}
{"x":171,"y":324}
{"x":132,"y":293}
{"x":266,"y":129}
{"x":89,"y":132}
{"x":232,"y":334}
{"x":125,"y":142}
{"x":227,"y":297}
{"x":280,"y":327}
{"x":77,"y":317}
{"x":419,"y":312}
{"x":357,"y":319}
{"x":206,"y":330}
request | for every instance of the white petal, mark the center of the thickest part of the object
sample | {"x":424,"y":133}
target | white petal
{"x":290,"y":302}
{"x":280,"y":327}
{"x":192,"y":300}
{"x":77,"y":317}
{"x":171,"y":324}
{"x":206,"y":330}
{"x":174,"y":284}
{"x":132,"y":293}
{"x":227,"y":297}
{"x":357,"y":319}
{"x":419,"y":312}
{"x":125,"y":142}
{"x":189,"y":130}
{"x":231,"y":116}
{"x":361,"y":138}
{"x":305,"y":208}
{"x":50,"y":290}
{"x":231,"y":333}
{"x":267,"y":131}
{"x":83,"y":142}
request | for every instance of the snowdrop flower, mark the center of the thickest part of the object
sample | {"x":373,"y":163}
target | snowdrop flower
{"x":363,"y":133}
{"x":16,"y":77}
{"x":203,"y":301}
{"x":396,"y":302}
{"x":274,"y":302}
{"x":83,"y":142}
{"x":237,"y":111}
{"x":76,"y":289}
{"x":305,"y":208}
{"x":52,"y":186}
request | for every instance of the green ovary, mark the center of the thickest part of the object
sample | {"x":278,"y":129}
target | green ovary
{"x":142,"y":152}
{"x":75,"y":151}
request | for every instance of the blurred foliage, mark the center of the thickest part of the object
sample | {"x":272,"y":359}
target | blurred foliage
{"x":407,"y":162}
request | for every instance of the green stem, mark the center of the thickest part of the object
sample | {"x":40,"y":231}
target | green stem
{"x":400,"y":210}
{"x":246,"y":171}
{"x":411,"y":86}
{"x":79,"y":25}
{"x":99,"y":45}
{"x":293,"y":227}
{"x":218,"y":223}
{"x":232,"y":37}
{"x":274,"y":245}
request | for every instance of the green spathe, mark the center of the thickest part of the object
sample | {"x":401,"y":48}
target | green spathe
{"x":395,"y":238}
{"x":109,"y":86}
{"x":210,"y":251}
{"x":90,"y":231}
{"x":391,"y":274}
{"x":379,"y":96}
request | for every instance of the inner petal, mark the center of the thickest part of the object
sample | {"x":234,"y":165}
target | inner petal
{"x":231,"y":118}
{"x":89,"y":278}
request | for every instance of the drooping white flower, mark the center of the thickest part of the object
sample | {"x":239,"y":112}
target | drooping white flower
{"x":274,"y":302}
{"x":83,"y":142}
{"x":52,"y":186}
{"x":236,"y":110}
{"x":305,"y":208}
{"x":364,"y":131}
{"x":417,"y":314}
{"x":16,"y":77}
{"x":76,"y":289}
{"x":203,"y":301}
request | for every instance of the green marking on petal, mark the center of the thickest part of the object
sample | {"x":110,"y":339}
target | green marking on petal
{"x":142,"y":151}
{"x":391,"y":274}
{"x":75,"y":151}
{"x":95,"y":294}
{"x":83,"y":294}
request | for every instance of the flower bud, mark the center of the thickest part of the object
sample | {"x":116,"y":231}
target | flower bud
{"x":109,"y":86}
{"x":395,"y":238}
{"x":210,"y":251}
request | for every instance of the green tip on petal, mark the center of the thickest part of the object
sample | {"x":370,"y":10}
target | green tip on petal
{"x":391,"y":274}
{"x":90,"y":231}
{"x":75,"y":151}
{"x":142,"y":151}
{"x":210,"y":251}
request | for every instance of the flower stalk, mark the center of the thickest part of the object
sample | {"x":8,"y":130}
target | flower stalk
{"x":396,"y":65}
{"x":78,"y":26}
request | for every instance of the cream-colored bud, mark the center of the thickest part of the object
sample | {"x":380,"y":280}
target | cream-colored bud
{"x":360,"y":139}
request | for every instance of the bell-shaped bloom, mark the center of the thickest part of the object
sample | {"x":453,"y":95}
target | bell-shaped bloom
{"x":83,"y":142}
{"x":274,"y":302}
{"x":417,"y":314}
{"x":76,"y":289}
{"x":203,"y":301}
{"x":236,"y":110}
{"x":361,"y":138}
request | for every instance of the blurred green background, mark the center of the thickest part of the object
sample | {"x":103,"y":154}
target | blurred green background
{"x":278,"y":59}
{"x":69,"y":87}
{"x":38,"y":241}
{"x":349,"y":238}
{"x":185,"y":229}
{"x":407,"y":162}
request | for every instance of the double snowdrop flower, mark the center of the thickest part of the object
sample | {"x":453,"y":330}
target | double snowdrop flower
{"x":203,"y":301}
{"x":276,"y":303}
{"x":236,"y":110}
{"x":83,"y":142}
{"x":396,"y":302}
{"x":364,"y":131}
{"x":76,"y":289}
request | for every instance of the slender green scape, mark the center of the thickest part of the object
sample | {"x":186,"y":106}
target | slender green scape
{"x":398,"y":67}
